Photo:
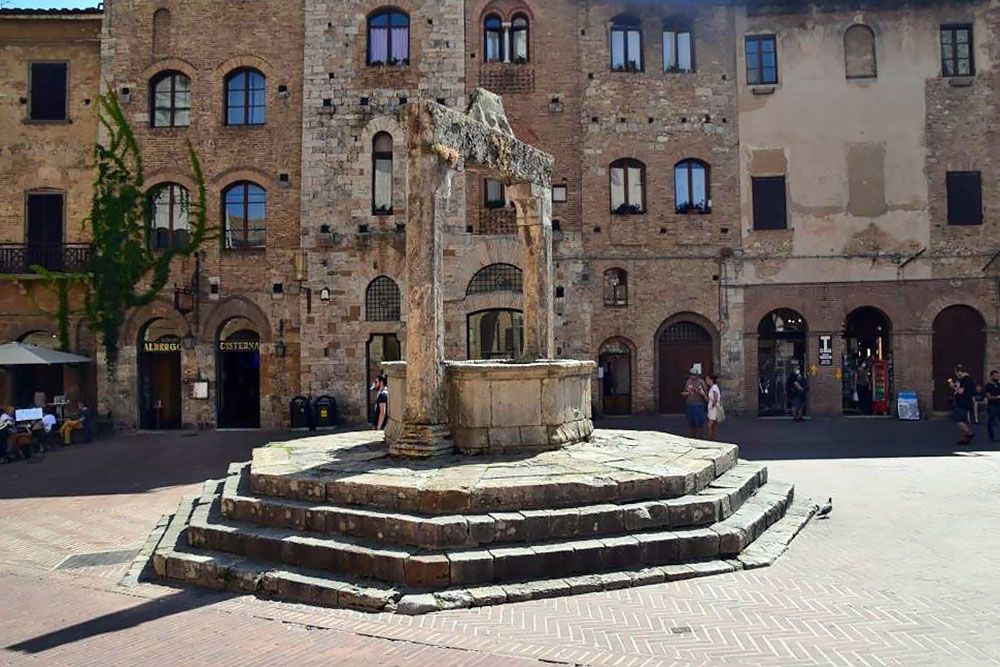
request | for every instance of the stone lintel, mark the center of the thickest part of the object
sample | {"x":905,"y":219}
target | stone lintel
{"x":475,"y":143}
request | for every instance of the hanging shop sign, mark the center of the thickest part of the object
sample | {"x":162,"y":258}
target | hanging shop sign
{"x":826,"y":350}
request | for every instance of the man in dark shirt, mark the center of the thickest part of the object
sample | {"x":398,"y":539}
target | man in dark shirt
{"x":991,"y":391}
{"x":381,"y":416}
{"x":964,"y":389}
{"x":797,"y":387}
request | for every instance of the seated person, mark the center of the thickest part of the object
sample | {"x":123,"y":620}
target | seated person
{"x":82,"y":421}
{"x":48,"y":424}
{"x":7,"y":428}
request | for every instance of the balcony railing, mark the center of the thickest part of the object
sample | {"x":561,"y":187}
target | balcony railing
{"x":18,"y":259}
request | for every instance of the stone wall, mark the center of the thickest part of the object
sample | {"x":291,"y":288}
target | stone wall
{"x":261,"y":285}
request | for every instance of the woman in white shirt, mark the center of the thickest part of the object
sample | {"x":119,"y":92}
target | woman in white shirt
{"x":715,"y":410}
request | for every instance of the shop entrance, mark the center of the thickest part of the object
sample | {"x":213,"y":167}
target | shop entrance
{"x":237,"y":364}
{"x":781,"y":348}
{"x":866,"y":364}
{"x":959,"y":338}
{"x":159,"y":376}
{"x":615,"y":364}
{"x":380,"y":348}
{"x":681,"y":346}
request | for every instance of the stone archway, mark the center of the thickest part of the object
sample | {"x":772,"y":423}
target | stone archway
{"x":237,"y":371}
{"x":616,"y":363}
{"x":682,"y":342}
{"x":959,"y":337}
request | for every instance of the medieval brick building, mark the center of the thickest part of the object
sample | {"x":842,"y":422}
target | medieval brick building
{"x":745,"y":186}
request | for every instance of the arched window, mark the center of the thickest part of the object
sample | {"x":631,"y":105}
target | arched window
{"x":859,"y":52}
{"x":161,"y":30}
{"x":245,"y":101}
{"x":691,"y":187}
{"x":628,"y":185}
{"x":382,"y":300}
{"x":382,"y":174}
{"x":519,"y":38}
{"x":678,"y":48}
{"x":626,"y":45}
{"x":496,"y":334}
{"x":169,"y":208}
{"x":244,"y":216}
{"x":389,"y":38}
{"x":616,"y":288}
{"x":493,"y":51}
{"x":170,"y":100}
{"x":496,"y":278}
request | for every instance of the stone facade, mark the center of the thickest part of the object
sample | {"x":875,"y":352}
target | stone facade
{"x":865,"y":162}
{"x":45,"y":157}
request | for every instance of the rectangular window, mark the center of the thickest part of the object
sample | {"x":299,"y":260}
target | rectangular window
{"x":677,"y":51}
{"x":965,"y":197}
{"x":48,"y":97}
{"x":769,"y":207}
{"x":559,"y":194}
{"x":382,"y":201}
{"x":762,"y":60}
{"x":44,"y":245}
{"x":956,"y":50}
{"x":494,"y":194}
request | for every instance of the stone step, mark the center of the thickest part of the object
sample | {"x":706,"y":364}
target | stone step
{"x":174,"y":560}
{"x":398,"y":564}
{"x":723,"y":496}
{"x":616,"y":467}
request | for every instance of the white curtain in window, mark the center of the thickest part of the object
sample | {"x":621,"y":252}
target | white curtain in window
{"x":617,"y":49}
{"x":635,"y":48}
{"x":519,"y":35}
{"x":379,"y":47}
{"x":635,"y":186}
{"x":684,"y":51}
{"x":494,"y":190}
{"x":617,"y":187}
{"x":400,"y":43}
{"x":383,"y":183}
{"x":669,"y":50}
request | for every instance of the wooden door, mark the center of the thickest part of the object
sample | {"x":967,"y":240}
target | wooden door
{"x":959,"y":338}
{"x":681,"y":346}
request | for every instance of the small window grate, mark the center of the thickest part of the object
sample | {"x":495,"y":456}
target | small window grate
{"x":382,"y":300}
{"x":496,"y":278}
{"x":685,"y":332}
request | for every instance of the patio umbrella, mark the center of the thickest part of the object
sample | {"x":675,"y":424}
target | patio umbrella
{"x":20,"y":354}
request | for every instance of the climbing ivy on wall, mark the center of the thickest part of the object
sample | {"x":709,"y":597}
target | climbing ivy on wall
{"x":124,"y":272}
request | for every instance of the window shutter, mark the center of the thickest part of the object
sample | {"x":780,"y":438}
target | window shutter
{"x":769,"y":210}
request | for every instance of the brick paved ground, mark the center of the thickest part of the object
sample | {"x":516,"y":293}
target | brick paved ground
{"x":903,"y":573}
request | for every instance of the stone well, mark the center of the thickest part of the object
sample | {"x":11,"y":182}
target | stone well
{"x":498,"y":407}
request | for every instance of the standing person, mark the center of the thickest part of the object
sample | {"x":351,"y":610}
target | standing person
{"x":695,"y":399}
{"x":863,"y":385}
{"x":381,"y":412}
{"x":798,"y":386}
{"x":991,"y":391}
{"x":963,"y":388}
{"x":716,"y":413}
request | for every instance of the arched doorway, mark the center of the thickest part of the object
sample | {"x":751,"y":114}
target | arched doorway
{"x":159,"y":357}
{"x":959,"y":338}
{"x":496,"y":334}
{"x":43,"y":382}
{"x":781,"y":347}
{"x":866,"y":364}
{"x":237,"y":366}
{"x":615,"y":369}
{"x":380,"y":348}
{"x":681,"y":345}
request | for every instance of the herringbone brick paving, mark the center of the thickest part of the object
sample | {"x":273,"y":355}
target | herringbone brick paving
{"x":903,"y":573}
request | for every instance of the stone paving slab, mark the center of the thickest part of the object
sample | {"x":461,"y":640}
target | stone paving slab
{"x":616,"y":466}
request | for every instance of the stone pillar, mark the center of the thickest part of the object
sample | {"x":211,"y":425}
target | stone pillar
{"x":428,"y":181}
{"x":534,"y":225}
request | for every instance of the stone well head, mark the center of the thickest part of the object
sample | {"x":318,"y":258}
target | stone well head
{"x":437,"y":406}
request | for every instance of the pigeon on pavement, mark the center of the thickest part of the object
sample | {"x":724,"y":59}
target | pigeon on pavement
{"x":824,"y":511}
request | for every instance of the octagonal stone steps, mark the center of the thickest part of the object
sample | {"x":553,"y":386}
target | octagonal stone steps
{"x":718,"y":501}
{"x":505,"y":563}
{"x":174,"y":559}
